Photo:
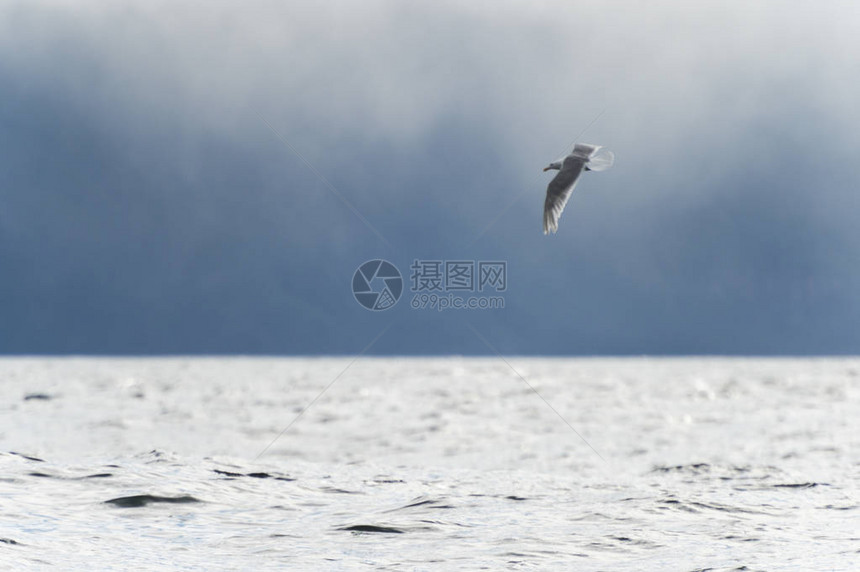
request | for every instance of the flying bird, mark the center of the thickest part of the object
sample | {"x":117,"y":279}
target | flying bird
{"x":583,"y":157}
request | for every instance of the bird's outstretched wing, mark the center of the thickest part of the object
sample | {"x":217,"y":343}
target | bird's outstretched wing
{"x":559,"y":190}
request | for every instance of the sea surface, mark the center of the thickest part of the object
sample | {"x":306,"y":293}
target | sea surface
{"x":429,"y":464}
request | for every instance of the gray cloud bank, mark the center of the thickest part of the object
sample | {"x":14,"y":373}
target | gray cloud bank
{"x":147,"y":208}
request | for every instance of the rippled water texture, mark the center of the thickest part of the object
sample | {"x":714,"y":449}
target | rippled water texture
{"x":420,"y":464}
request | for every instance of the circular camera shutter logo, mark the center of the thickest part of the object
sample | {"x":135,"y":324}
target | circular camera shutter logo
{"x":377,"y":285}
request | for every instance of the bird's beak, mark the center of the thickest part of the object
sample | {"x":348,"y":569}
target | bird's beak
{"x":546,"y":169}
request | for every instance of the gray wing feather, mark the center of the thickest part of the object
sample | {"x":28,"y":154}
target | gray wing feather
{"x":559,"y":190}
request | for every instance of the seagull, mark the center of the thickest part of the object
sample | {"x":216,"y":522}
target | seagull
{"x":583,"y":157}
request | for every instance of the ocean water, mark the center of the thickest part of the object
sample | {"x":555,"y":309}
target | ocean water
{"x":429,"y":464}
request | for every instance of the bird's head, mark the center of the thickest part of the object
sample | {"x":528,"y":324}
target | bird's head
{"x":556,"y":166}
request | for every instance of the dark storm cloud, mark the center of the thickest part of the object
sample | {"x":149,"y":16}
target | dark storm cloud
{"x":146,"y":207}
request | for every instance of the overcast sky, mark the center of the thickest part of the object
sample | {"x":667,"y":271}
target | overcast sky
{"x":174,"y":176}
